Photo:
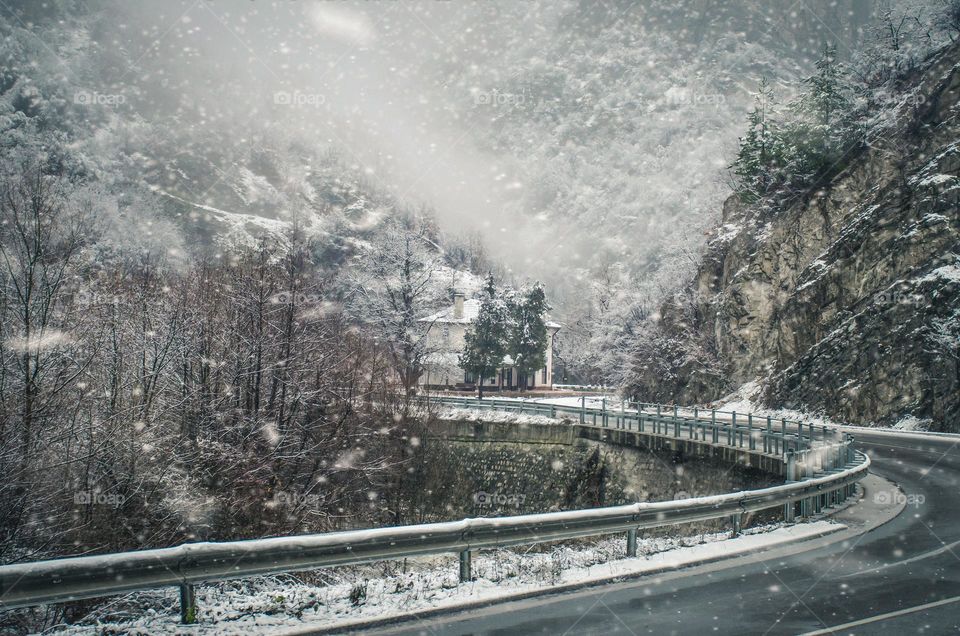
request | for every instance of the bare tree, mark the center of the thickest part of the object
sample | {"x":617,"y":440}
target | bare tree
{"x":41,"y":234}
{"x":395,"y":288}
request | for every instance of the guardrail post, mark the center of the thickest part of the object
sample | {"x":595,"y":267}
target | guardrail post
{"x":603,"y":411}
{"x":767,"y":438}
{"x":583,"y":408}
{"x":810,"y":503}
{"x":676,"y":423}
{"x":697,"y":425}
{"x":731,"y":428}
{"x":713,"y":425}
{"x":632,"y":542}
{"x":789,"y":508}
{"x":465,"y":574}
{"x":737,"y":520}
{"x":656,"y":423}
{"x":188,"y":604}
{"x":751,"y":443}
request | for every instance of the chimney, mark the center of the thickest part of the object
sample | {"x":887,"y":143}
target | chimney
{"x":457,"y":305}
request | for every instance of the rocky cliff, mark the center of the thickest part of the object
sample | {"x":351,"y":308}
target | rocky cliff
{"x":846,"y":302}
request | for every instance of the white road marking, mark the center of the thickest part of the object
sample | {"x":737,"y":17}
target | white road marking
{"x":919,"y":557}
{"x":882,"y":617}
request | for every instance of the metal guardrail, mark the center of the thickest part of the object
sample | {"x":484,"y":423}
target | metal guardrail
{"x":819,"y":474}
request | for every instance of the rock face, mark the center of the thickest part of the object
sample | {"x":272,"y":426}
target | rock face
{"x":847,"y":302}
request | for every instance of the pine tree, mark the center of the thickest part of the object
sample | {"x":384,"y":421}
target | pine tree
{"x":817,"y":142}
{"x":485,"y":344}
{"x":825,"y":100}
{"x":756,"y":158}
{"x":528,"y":333}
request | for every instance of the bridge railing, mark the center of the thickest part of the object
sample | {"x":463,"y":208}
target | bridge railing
{"x":775,"y":436}
{"x":820,"y":473}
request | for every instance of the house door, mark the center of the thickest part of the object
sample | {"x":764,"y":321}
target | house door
{"x":509,"y":378}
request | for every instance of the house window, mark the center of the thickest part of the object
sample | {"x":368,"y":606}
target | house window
{"x":468,"y":378}
{"x":446,"y":334}
{"x":544,"y":376}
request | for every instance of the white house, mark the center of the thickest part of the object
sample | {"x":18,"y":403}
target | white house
{"x":445,"y":338}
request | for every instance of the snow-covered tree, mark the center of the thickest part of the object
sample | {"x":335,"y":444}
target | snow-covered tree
{"x":394,"y":289}
{"x":817,"y":142}
{"x":757,"y":156}
{"x":42,"y":233}
{"x":527,"y":341}
{"x":485,"y":343}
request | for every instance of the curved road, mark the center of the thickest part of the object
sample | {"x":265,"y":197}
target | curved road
{"x":901,"y":577}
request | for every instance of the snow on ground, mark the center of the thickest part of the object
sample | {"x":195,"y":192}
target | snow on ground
{"x":338,"y":597}
{"x":913,"y":423}
{"x":744,"y":400}
{"x":474,"y":415}
{"x":571,"y":401}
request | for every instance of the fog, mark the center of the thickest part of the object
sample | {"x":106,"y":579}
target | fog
{"x":569,"y":135}
{"x":365,"y":79}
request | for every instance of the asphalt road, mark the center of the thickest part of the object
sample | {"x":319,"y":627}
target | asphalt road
{"x":902,"y":577}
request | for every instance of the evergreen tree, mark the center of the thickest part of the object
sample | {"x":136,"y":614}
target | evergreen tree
{"x":485,"y":344}
{"x":825,"y":100}
{"x":820,"y":137}
{"x":758,"y":152}
{"x":528,"y":333}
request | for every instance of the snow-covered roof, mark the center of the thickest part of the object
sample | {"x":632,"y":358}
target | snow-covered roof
{"x":471,"y":309}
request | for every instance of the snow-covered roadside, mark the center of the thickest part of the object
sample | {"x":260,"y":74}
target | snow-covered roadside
{"x":743,"y":401}
{"x":279,"y":604}
{"x":476,"y":415}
